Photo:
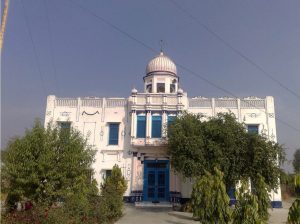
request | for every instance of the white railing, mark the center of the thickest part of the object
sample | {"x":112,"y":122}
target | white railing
{"x":200,"y":103}
{"x":255,"y":103}
{"x":172,"y":100}
{"x":227,"y":103}
{"x":116,"y":102}
{"x":66,"y":102}
{"x":85,"y":102}
{"x":156,"y":100}
{"x":92,"y":103}
{"x":141,"y":100}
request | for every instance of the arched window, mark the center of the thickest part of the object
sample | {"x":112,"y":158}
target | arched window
{"x":149,"y":88}
{"x":160,"y":87}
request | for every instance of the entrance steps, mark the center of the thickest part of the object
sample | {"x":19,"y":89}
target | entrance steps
{"x":149,"y":204}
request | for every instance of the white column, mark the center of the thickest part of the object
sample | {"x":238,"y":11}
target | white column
{"x":50,"y":109}
{"x":164,"y":124}
{"x":148,"y":124}
{"x":78,"y":109}
{"x":133,"y":124}
{"x":213,"y":107}
{"x":240,"y":119}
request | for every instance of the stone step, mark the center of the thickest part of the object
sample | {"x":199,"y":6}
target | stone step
{"x":149,"y":204}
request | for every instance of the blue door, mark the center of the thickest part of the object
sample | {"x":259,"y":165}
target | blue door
{"x":156,"y":180}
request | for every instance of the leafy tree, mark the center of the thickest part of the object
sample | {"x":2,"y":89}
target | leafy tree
{"x":294,"y":211}
{"x":263,"y":158}
{"x":210,"y":202}
{"x":197,"y":144}
{"x":112,"y":191}
{"x":296,"y":161}
{"x":47,"y":165}
{"x":261,"y":191}
{"x":246,"y":210}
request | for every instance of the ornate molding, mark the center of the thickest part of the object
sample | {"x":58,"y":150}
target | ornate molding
{"x":97,"y":112}
{"x":65,"y":114}
{"x":253,"y":115}
{"x":252,"y":98}
{"x":271,"y":115}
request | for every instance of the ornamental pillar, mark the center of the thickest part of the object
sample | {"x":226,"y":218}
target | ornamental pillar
{"x":133,"y":124}
{"x":148,"y":124}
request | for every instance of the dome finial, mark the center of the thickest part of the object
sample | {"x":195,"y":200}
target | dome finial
{"x":161,"y":47}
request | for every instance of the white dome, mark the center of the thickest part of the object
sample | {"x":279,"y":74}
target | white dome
{"x":134,"y":91}
{"x":161,"y":63}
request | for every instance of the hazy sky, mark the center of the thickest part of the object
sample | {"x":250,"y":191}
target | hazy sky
{"x":76,"y":54}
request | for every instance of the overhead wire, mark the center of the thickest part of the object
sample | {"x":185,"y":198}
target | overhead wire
{"x":34,"y":49}
{"x":179,"y":65}
{"x":57,"y":84}
{"x":234,"y":49}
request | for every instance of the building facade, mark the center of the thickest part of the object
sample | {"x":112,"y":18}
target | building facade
{"x":131,"y":132}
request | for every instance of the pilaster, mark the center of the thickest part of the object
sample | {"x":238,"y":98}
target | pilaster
{"x":148,"y":124}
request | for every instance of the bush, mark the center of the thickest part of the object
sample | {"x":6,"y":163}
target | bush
{"x":112,"y":191}
{"x":246,"y":208}
{"x":294,"y":212}
{"x":210,"y":201}
{"x":261,"y":191}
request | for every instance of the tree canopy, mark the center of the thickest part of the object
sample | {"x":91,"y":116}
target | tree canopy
{"x":296,"y":161}
{"x":198,"y":144}
{"x":47,"y":165}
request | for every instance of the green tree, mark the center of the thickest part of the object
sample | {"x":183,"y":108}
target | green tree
{"x":294,"y":211}
{"x":197,"y":144}
{"x":47,"y":165}
{"x":112,"y":191}
{"x":261,"y":191}
{"x":246,"y":210}
{"x":296,"y":161}
{"x":210,"y":202}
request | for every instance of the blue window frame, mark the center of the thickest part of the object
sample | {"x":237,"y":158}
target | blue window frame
{"x":252,"y":129}
{"x":113,"y":134}
{"x":65,"y":125}
{"x":170,"y":120}
{"x":231,"y":193}
{"x":156,"y":126}
{"x":141,"y":126}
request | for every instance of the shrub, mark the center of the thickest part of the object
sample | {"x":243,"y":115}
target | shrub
{"x":112,"y":191}
{"x":246,"y":208}
{"x":294,"y":211}
{"x":210,"y":201}
{"x":261,"y":191}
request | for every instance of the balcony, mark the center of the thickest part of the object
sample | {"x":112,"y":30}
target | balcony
{"x":151,"y":142}
{"x":144,"y":101}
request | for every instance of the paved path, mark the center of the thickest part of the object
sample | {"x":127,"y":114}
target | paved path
{"x":133,"y":215}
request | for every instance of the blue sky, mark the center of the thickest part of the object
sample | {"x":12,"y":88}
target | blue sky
{"x":91,"y":58}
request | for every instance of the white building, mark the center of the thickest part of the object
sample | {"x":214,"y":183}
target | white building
{"x":130,"y":131}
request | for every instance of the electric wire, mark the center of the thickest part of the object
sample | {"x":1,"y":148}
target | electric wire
{"x":57,"y":84}
{"x":179,"y":65}
{"x":34,"y":49}
{"x":234,"y":49}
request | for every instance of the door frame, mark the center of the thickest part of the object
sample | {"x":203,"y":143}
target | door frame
{"x":167,"y":183}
